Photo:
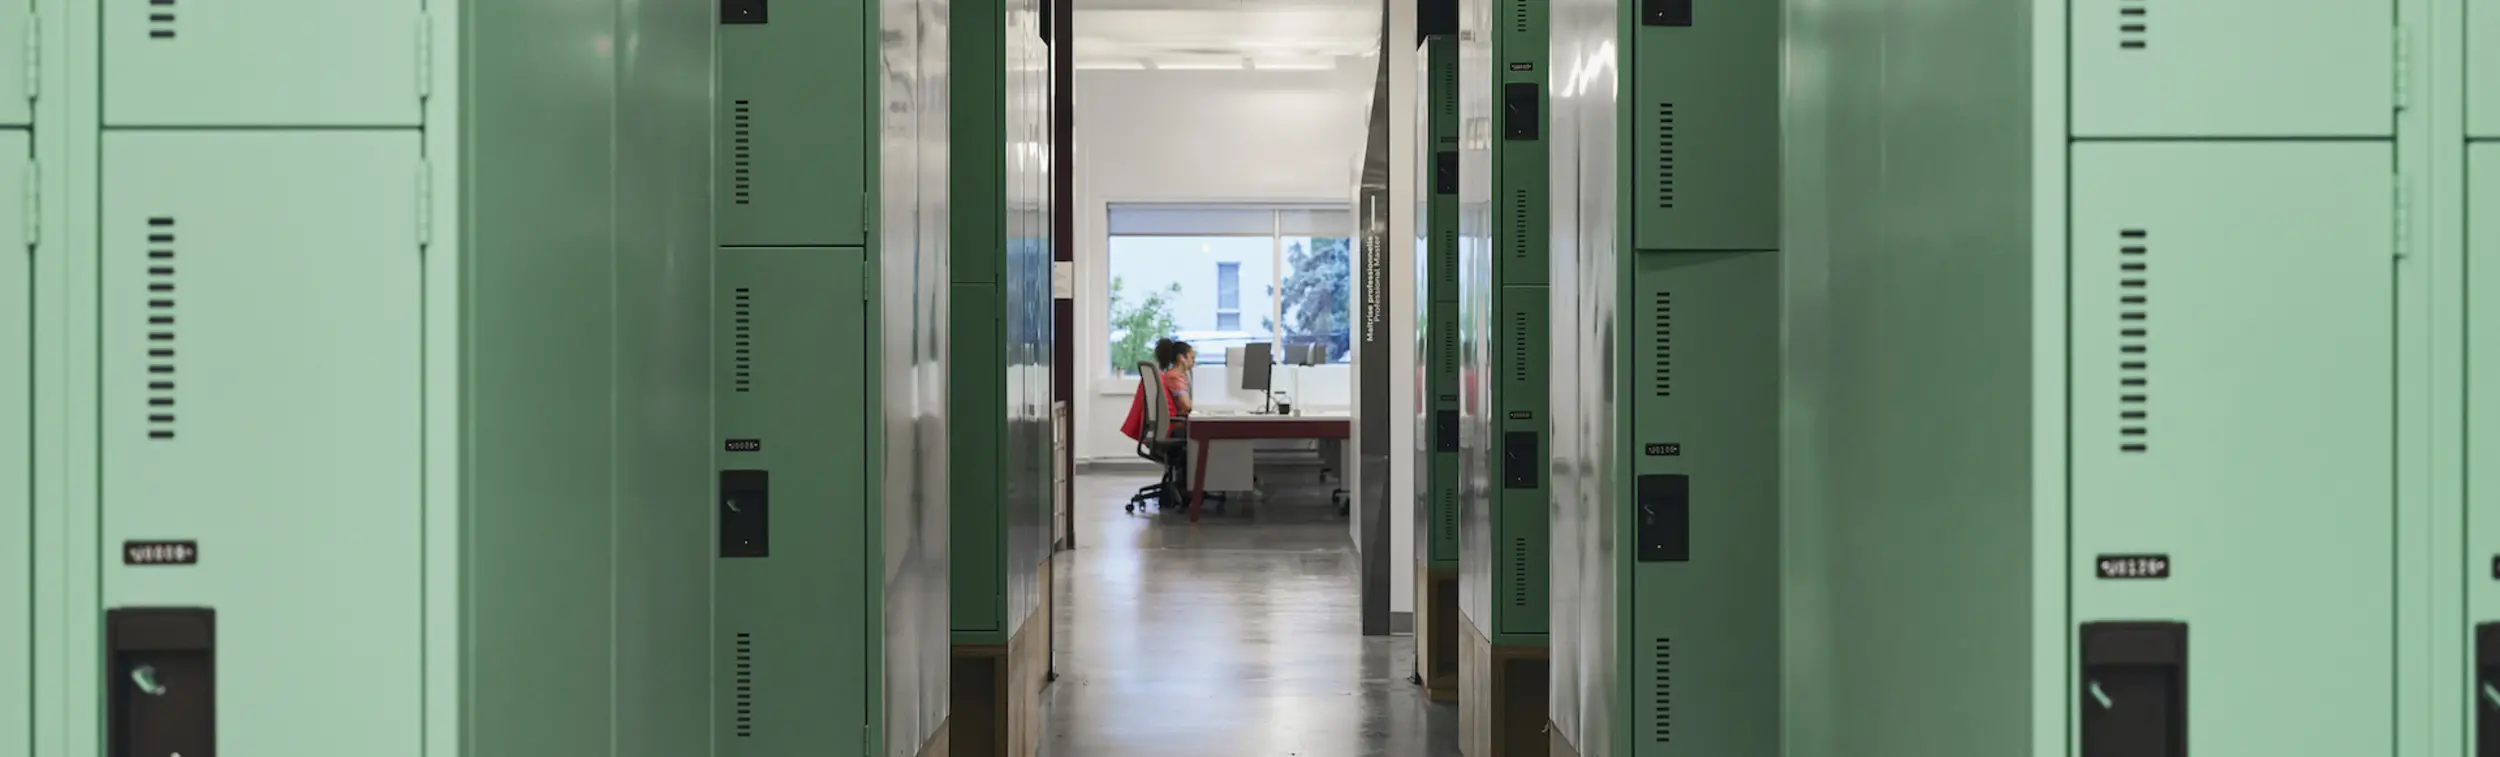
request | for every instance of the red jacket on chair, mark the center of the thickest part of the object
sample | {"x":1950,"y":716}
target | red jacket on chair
{"x":1135,"y":425}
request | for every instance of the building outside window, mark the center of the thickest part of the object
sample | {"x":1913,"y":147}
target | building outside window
{"x":1228,"y":296}
{"x":1222,"y":276}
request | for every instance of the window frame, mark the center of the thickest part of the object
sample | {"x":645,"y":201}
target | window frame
{"x":1120,"y":380}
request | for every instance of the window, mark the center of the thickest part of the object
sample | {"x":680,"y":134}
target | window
{"x":1282,"y":275}
{"x":1228,"y":296}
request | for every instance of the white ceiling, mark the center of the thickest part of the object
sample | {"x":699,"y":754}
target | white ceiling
{"x":1225,"y":34}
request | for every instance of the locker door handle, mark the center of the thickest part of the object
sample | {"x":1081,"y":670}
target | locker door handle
{"x":144,"y":677}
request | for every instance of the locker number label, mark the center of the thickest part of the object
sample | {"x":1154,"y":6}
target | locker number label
{"x":2134,"y":566}
{"x":742,"y":445}
{"x":1663,"y":450}
{"x":160,"y":553}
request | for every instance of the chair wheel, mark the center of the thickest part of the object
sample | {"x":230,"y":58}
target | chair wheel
{"x":1132,"y":508}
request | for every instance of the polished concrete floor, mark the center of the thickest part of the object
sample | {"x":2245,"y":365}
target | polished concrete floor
{"x":1239,"y":636}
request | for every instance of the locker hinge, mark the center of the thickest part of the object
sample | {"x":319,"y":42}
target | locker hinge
{"x":2404,"y":67}
{"x":425,"y":56}
{"x":865,"y":224}
{"x":34,"y":204}
{"x":34,"y":55}
{"x":425,"y":203}
{"x":2404,"y":221}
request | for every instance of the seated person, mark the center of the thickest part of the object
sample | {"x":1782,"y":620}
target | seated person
{"x":1176,"y":358}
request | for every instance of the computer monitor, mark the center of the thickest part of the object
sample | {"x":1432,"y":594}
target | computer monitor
{"x":1256,"y":365}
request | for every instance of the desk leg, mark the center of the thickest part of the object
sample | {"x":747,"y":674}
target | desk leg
{"x":1198,"y":477}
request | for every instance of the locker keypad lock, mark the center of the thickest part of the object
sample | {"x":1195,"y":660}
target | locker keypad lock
{"x":161,"y":682}
{"x":2135,"y":695}
{"x":2486,"y":692}
{"x":1519,"y":460}
{"x":1521,"y":111}
{"x":1665,"y":518}
{"x":745,"y":12}
{"x":1445,"y":431}
{"x":746,"y":513}
{"x":1666,"y":12}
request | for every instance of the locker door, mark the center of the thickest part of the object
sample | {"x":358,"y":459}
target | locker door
{"x":2482,"y":64}
{"x":2482,"y":442}
{"x":791,"y":633}
{"x":261,"y":63}
{"x":17,"y":549}
{"x":2237,"y":68}
{"x":15,"y":107}
{"x":790,"y":96}
{"x":261,"y":393}
{"x":1706,"y":540}
{"x":2232,"y":404}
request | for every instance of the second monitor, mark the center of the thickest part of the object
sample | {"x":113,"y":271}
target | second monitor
{"x":1257,"y":368}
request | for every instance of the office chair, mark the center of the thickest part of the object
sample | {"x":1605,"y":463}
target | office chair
{"x":1154,"y":443}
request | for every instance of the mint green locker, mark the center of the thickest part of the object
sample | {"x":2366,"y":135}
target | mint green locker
{"x":17,"y":91}
{"x":2482,"y":63}
{"x":1704,"y":453}
{"x":272,"y":62}
{"x":2232,"y":68}
{"x":260,"y":382}
{"x":2482,"y":427}
{"x":1701,"y":144}
{"x":792,"y":144}
{"x":2232,"y":407}
{"x":17,"y":546}
{"x":794,"y":516}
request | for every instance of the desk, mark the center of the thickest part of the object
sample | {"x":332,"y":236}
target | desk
{"x":1206,"y":429}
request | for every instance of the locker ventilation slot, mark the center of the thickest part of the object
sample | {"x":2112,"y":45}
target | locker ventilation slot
{"x":160,"y":329}
{"x":1522,"y":345}
{"x":1448,"y":525}
{"x":1520,"y":563}
{"x":1519,"y":15}
{"x":1449,"y":351}
{"x":1661,"y":690}
{"x":1666,"y":156}
{"x":2134,"y":347}
{"x":1520,"y":235}
{"x":1662,"y":371}
{"x":742,"y":152}
{"x":745,"y":680}
{"x":161,"y":19}
{"x":742,"y":317}
{"x":1447,"y":105}
{"x":2131,"y":26}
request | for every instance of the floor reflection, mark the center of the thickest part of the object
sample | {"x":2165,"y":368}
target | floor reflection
{"x":1239,"y":636}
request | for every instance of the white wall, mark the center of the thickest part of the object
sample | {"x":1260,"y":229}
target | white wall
{"x":1198,"y":136}
{"x":1399,"y":270}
